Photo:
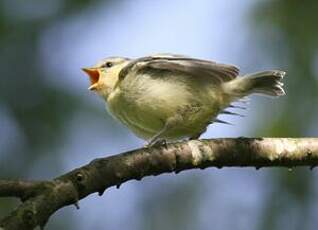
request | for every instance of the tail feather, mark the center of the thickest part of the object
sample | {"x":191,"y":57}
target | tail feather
{"x":266,"y":82}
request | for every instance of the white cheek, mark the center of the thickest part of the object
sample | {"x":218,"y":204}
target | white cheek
{"x":103,"y":89}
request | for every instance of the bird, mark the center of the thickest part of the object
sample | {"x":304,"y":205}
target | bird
{"x":169,"y":97}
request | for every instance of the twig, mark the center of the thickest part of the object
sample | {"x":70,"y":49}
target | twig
{"x":42,"y":199}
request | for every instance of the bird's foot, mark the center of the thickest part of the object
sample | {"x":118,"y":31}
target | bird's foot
{"x":157,"y":143}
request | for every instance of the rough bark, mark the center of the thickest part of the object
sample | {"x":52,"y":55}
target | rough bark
{"x":40,"y":199}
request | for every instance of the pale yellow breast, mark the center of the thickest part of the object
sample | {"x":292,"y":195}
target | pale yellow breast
{"x":144,"y":103}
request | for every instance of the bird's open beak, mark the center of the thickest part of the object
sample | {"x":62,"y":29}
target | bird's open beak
{"x":93,"y":74}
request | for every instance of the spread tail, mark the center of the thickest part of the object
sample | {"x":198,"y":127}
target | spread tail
{"x":266,"y":82}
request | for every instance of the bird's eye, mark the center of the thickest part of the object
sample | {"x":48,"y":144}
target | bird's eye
{"x":108,"y":64}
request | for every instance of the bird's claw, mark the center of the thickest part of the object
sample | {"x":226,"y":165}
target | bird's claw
{"x":157,"y":143}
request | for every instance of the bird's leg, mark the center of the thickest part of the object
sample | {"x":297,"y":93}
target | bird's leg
{"x":197,"y":136}
{"x":158,"y":139}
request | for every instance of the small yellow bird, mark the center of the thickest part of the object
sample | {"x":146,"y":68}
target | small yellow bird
{"x":170,"y":97}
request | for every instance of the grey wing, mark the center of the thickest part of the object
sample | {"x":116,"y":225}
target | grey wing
{"x":182,"y":64}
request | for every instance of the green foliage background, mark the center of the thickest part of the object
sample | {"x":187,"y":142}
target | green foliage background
{"x":285,"y":31}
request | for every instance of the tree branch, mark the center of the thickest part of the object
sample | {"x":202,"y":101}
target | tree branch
{"x":42,"y":199}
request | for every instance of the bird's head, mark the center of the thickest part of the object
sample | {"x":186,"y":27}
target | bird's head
{"x":105,"y":74}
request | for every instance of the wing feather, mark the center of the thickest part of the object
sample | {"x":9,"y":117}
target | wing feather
{"x":181,"y":64}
